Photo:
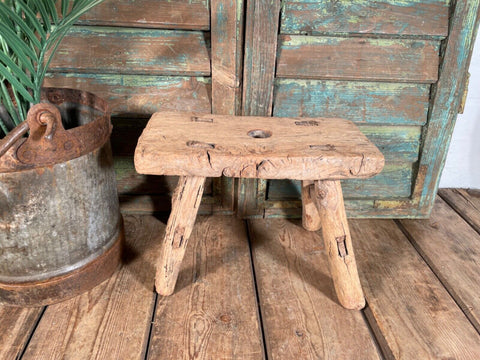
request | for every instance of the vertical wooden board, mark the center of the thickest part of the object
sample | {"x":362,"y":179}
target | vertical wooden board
{"x":387,"y":17}
{"x":361,"y":102}
{"x":407,"y":303}
{"x":213,"y":312}
{"x":137,"y":95}
{"x":112,"y":320}
{"x":466,"y":203}
{"x":354,"y":58}
{"x":446,"y":100}
{"x":227,"y":55}
{"x":178,"y":14}
{"x":16,"y":326}
{"x":301,"y":315}
{"x":452,"y":249}
{"x":111,"y":50}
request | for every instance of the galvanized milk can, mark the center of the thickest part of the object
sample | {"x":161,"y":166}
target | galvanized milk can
{"x":60,"y":226}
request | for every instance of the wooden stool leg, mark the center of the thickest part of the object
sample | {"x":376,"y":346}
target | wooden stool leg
{"x":310,"y":217}
{"x":338,"y":243}
{"x":185,"y":202}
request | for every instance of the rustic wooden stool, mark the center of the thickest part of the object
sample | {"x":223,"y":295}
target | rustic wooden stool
{"x":317,"y":151}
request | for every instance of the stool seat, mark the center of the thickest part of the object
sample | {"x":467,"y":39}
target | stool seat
{"x":255,"y":147}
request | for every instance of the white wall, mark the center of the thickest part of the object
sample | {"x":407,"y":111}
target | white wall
{"x":462,"y":168}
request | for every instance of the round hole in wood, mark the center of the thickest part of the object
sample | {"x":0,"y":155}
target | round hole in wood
{"x":259,"y":134}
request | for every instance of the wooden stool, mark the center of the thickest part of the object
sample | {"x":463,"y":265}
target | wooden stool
{"x":319,"y":151}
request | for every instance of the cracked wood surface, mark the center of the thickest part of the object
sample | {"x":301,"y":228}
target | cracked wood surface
{"x":255,"y":147}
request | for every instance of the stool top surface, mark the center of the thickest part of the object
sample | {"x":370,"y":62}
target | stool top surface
{"x":209,"y":145}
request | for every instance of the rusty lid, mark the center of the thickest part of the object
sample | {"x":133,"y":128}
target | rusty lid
{"x":49,"y":143}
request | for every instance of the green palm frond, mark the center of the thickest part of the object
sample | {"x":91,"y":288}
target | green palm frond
{"x":30,"y":32}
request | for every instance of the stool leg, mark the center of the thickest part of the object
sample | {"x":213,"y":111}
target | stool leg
{"x":310,"y":217}
{"x":338,"y":244}
{"x":185,"y":202}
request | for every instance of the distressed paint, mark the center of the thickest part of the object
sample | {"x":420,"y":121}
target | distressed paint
{"x":339,"y":58}
{"x":387,"y":17}
{"x":107,"y":50}
{"x":361,"y":102}
{"x":140,"y":94}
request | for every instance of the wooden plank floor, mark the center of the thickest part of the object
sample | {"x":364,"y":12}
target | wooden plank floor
{"x":261,"y":289}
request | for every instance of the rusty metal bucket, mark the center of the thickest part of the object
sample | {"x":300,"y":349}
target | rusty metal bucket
{"x":60,"y":226}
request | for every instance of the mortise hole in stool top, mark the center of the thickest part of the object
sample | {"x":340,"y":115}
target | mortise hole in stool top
{"x":259,"y":134}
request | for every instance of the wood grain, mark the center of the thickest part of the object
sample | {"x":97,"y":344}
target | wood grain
{"x":213,"y":313}
{"x":451,"y":248}
{"x":310,"y":217}
{"x":255,"y":147}
{"x":465,"y":202}
{"x":16,"y":326}
{"x":342,"y":58}
{"x":407,"y":303}
{"x":110,"y":50}
{"x":185,"y":203}
{"x":446,"y":99}
{"x":227,"y":56}
{"x":180,"y":14}
{"x":112,"y":320}
{"x":360,"y":102}
{"x":137,"y":95}
{"x":300,"y":314}
{"x":387,"y":17}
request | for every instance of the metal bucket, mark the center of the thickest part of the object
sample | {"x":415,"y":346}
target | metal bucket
{"x":60,"y":226}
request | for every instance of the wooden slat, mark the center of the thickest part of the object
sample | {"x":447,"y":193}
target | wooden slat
{"x":394,"y":181}
{"x":178,"y":14}
{"x":360,"y":102}
{"x":407,"y":304}
{"x":134,"y":95}
{"x":110,"y":50}
{"x":16,"y":326}
{"x":387,"y":17}
{"x":466,"y":203}
{"x":341,"y":58}
{"x":227,"y":56}
{"x":158,"y":204}
{"x":451,"y":248}
{"x":301,"y":315}
{"x":446,"y":100}
{"x":212,"y":314}
{"x":112,"y":320}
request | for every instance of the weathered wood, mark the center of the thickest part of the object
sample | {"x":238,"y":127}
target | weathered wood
{"x":158,"y":204}
{"x":360,"y":102}
{"x":112,"y":320}
{"x":336,"y":58}
{"x":451,"y":248}
{"x":180,"y":14}
{"x":185,"y":203}
{"x":446,"y":100}
{"x":300,"y":315}
{"x":213,"y":315}
{"x":136,"y":95}
{"x":227,"y":56}
{"x":255,"y":147}
{"x":114,"y":50}
{"x":387,"y":17}
{"x":466,"y":203}
{"x":261,"y":31}
{"x":310,"y":217}
{"x":16,"y":327}
{"x":406,"y":302}
{"x":338,"y":243}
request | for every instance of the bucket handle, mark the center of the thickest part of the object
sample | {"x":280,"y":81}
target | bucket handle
{"x":13,"y":136}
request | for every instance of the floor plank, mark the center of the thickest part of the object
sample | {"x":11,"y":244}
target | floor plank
{"x":16,"y":326}
{"x":213,"y":311}
{"x":465,"y":202}
{"x":112,"y":320}
{"x":452,"y":249}
{"x":301,"y":315}
{"x":407,"y":304}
